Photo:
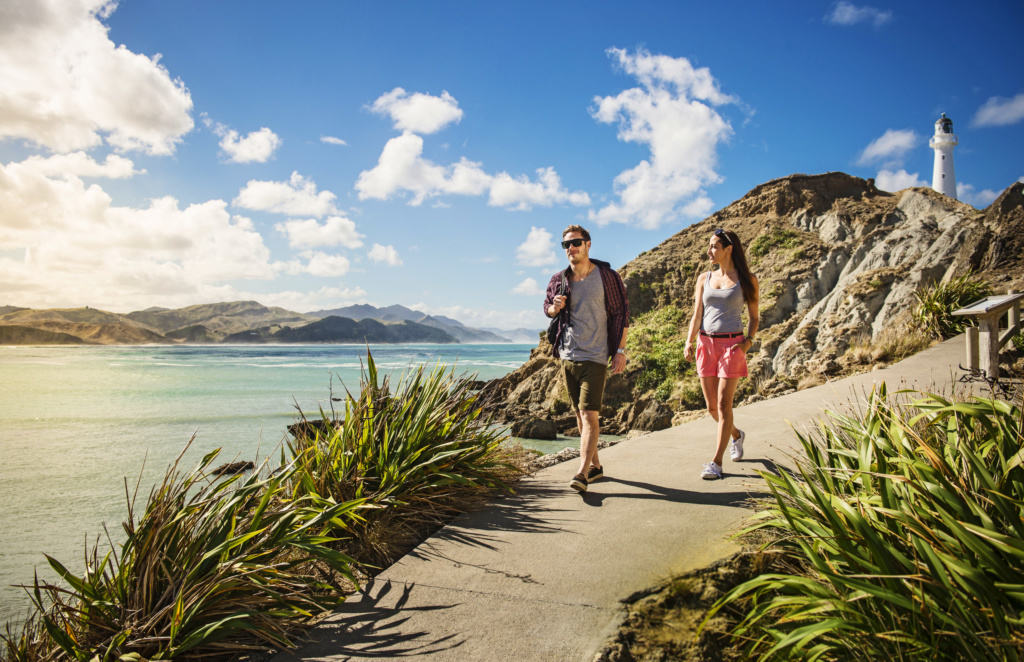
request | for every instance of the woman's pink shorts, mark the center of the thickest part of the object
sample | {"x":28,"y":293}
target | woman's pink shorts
{"x":720,"y":357}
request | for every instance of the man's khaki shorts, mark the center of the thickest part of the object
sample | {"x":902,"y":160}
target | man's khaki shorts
{"x":585,"y":383}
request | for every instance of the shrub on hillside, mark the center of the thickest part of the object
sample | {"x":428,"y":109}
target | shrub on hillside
{"x":656,"y":342}
{"x":774,"y":238}
{"x":936,"y":303}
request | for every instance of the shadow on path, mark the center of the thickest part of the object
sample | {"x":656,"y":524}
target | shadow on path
{"x":735,"y":499}
{"x":528,"y":511}
{"x":369,"y":625}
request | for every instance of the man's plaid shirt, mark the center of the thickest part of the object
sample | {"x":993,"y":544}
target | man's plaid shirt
{"x":615,"y":303}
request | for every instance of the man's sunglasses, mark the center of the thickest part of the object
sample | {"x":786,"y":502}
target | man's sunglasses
{"x":577,"y":242}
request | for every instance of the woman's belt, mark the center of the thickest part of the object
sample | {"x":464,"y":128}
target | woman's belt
{"x":721,"y":335}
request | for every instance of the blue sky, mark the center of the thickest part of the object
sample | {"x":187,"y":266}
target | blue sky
{"x":317,"y":154}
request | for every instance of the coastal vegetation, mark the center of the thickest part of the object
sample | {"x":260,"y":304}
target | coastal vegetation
{"x":417,"y":452}
{"x":657,"y":340}
{"x":898,"y":535}
{"x":215,"y":565}
{"x":937,"y":302}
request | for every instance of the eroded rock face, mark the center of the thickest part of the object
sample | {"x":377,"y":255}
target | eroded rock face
{"x":838,"y":262}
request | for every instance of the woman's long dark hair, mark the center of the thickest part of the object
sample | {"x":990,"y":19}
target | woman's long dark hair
{"x":739,"y":260}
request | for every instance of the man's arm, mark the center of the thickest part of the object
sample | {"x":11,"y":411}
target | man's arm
{"x":619,"y":360}
{"x":552,"y":291}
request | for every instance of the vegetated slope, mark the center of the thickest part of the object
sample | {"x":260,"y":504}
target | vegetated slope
{"x":14,"y":334}
{"x":218,"y":319}
{"x":333,"y":329}
{"x":397,"y":313}
{"x":838,"y":262}
{"x":88,"y":324}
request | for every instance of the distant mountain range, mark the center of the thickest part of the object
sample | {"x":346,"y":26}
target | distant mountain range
{"x":240,"y":322}
{"x":397,"y":313}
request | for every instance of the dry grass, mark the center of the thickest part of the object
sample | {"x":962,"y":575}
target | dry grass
{"x":892,"y":344}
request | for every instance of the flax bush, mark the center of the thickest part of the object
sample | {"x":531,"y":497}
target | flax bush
{"x":415,"y":452}
{"x":936,"y":303}
{"x":905,"y":533}
{"x":213,"y":566}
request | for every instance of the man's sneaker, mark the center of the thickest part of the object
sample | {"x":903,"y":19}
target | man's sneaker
{"x":712,"y":471}
{"x":736,"y":447}
{"x":595,"y":473}
{"x":578,"y":483}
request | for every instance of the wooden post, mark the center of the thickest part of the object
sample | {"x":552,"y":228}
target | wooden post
{"x":989,"y":345}
{"x":972,"y":349}
{"x":1015,"y":315}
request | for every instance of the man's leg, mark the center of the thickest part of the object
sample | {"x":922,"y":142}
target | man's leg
{"x":589,"y":422}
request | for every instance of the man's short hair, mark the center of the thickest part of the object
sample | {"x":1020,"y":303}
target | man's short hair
{"x":577,"y":228}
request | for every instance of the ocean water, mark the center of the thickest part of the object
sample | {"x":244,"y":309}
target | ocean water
{"x":76,"y":423}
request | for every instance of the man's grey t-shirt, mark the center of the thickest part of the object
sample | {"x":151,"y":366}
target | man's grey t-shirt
{"x":586,"y":338}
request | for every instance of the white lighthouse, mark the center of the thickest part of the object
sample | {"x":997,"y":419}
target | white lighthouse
{"x":943,"y":142}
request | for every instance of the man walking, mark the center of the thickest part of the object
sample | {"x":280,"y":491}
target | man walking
{"x":594,"y":331}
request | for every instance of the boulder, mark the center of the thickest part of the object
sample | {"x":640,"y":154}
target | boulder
{"x":534,"y":428}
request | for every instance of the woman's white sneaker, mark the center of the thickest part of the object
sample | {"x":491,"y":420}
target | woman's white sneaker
{"x":712,"y":471}
{"x":736,"y":447}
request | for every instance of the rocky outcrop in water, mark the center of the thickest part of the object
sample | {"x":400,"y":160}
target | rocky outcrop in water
{"x":838,"y":262}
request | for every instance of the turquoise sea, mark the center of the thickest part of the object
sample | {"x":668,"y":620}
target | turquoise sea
{"x":77,"y":422}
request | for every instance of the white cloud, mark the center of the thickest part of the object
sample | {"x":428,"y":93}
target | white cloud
{"x":538,"y":250}
{"x":67,"y":87}
{"x":257,"y":147}
{"x":892,"y":146}
{"x":322,"y":264}
{"x":673,"y":114}
{"x":888,"y":180}
{"x":979,"y":199}
{"x":331,"y":140}
{"x":402,"y":168}
{"x":386,"y":254}
{"x":80,"y":249}
{"x":308,"y":233}
{"x":522,"y":194}
{"x":998,"y":111}
{"x":296,"y":197}
{"x":846,"y":13}
{"x":418,"y":113}
{"x":529,"y":287}
{"x":80,"y":164}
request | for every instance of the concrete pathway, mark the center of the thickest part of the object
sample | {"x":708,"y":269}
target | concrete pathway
{"x":541,"y":576}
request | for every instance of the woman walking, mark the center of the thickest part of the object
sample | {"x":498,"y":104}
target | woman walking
{"x":721,"y":344}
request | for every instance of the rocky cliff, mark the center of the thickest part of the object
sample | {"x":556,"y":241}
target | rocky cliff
{"x":838,"y":262}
